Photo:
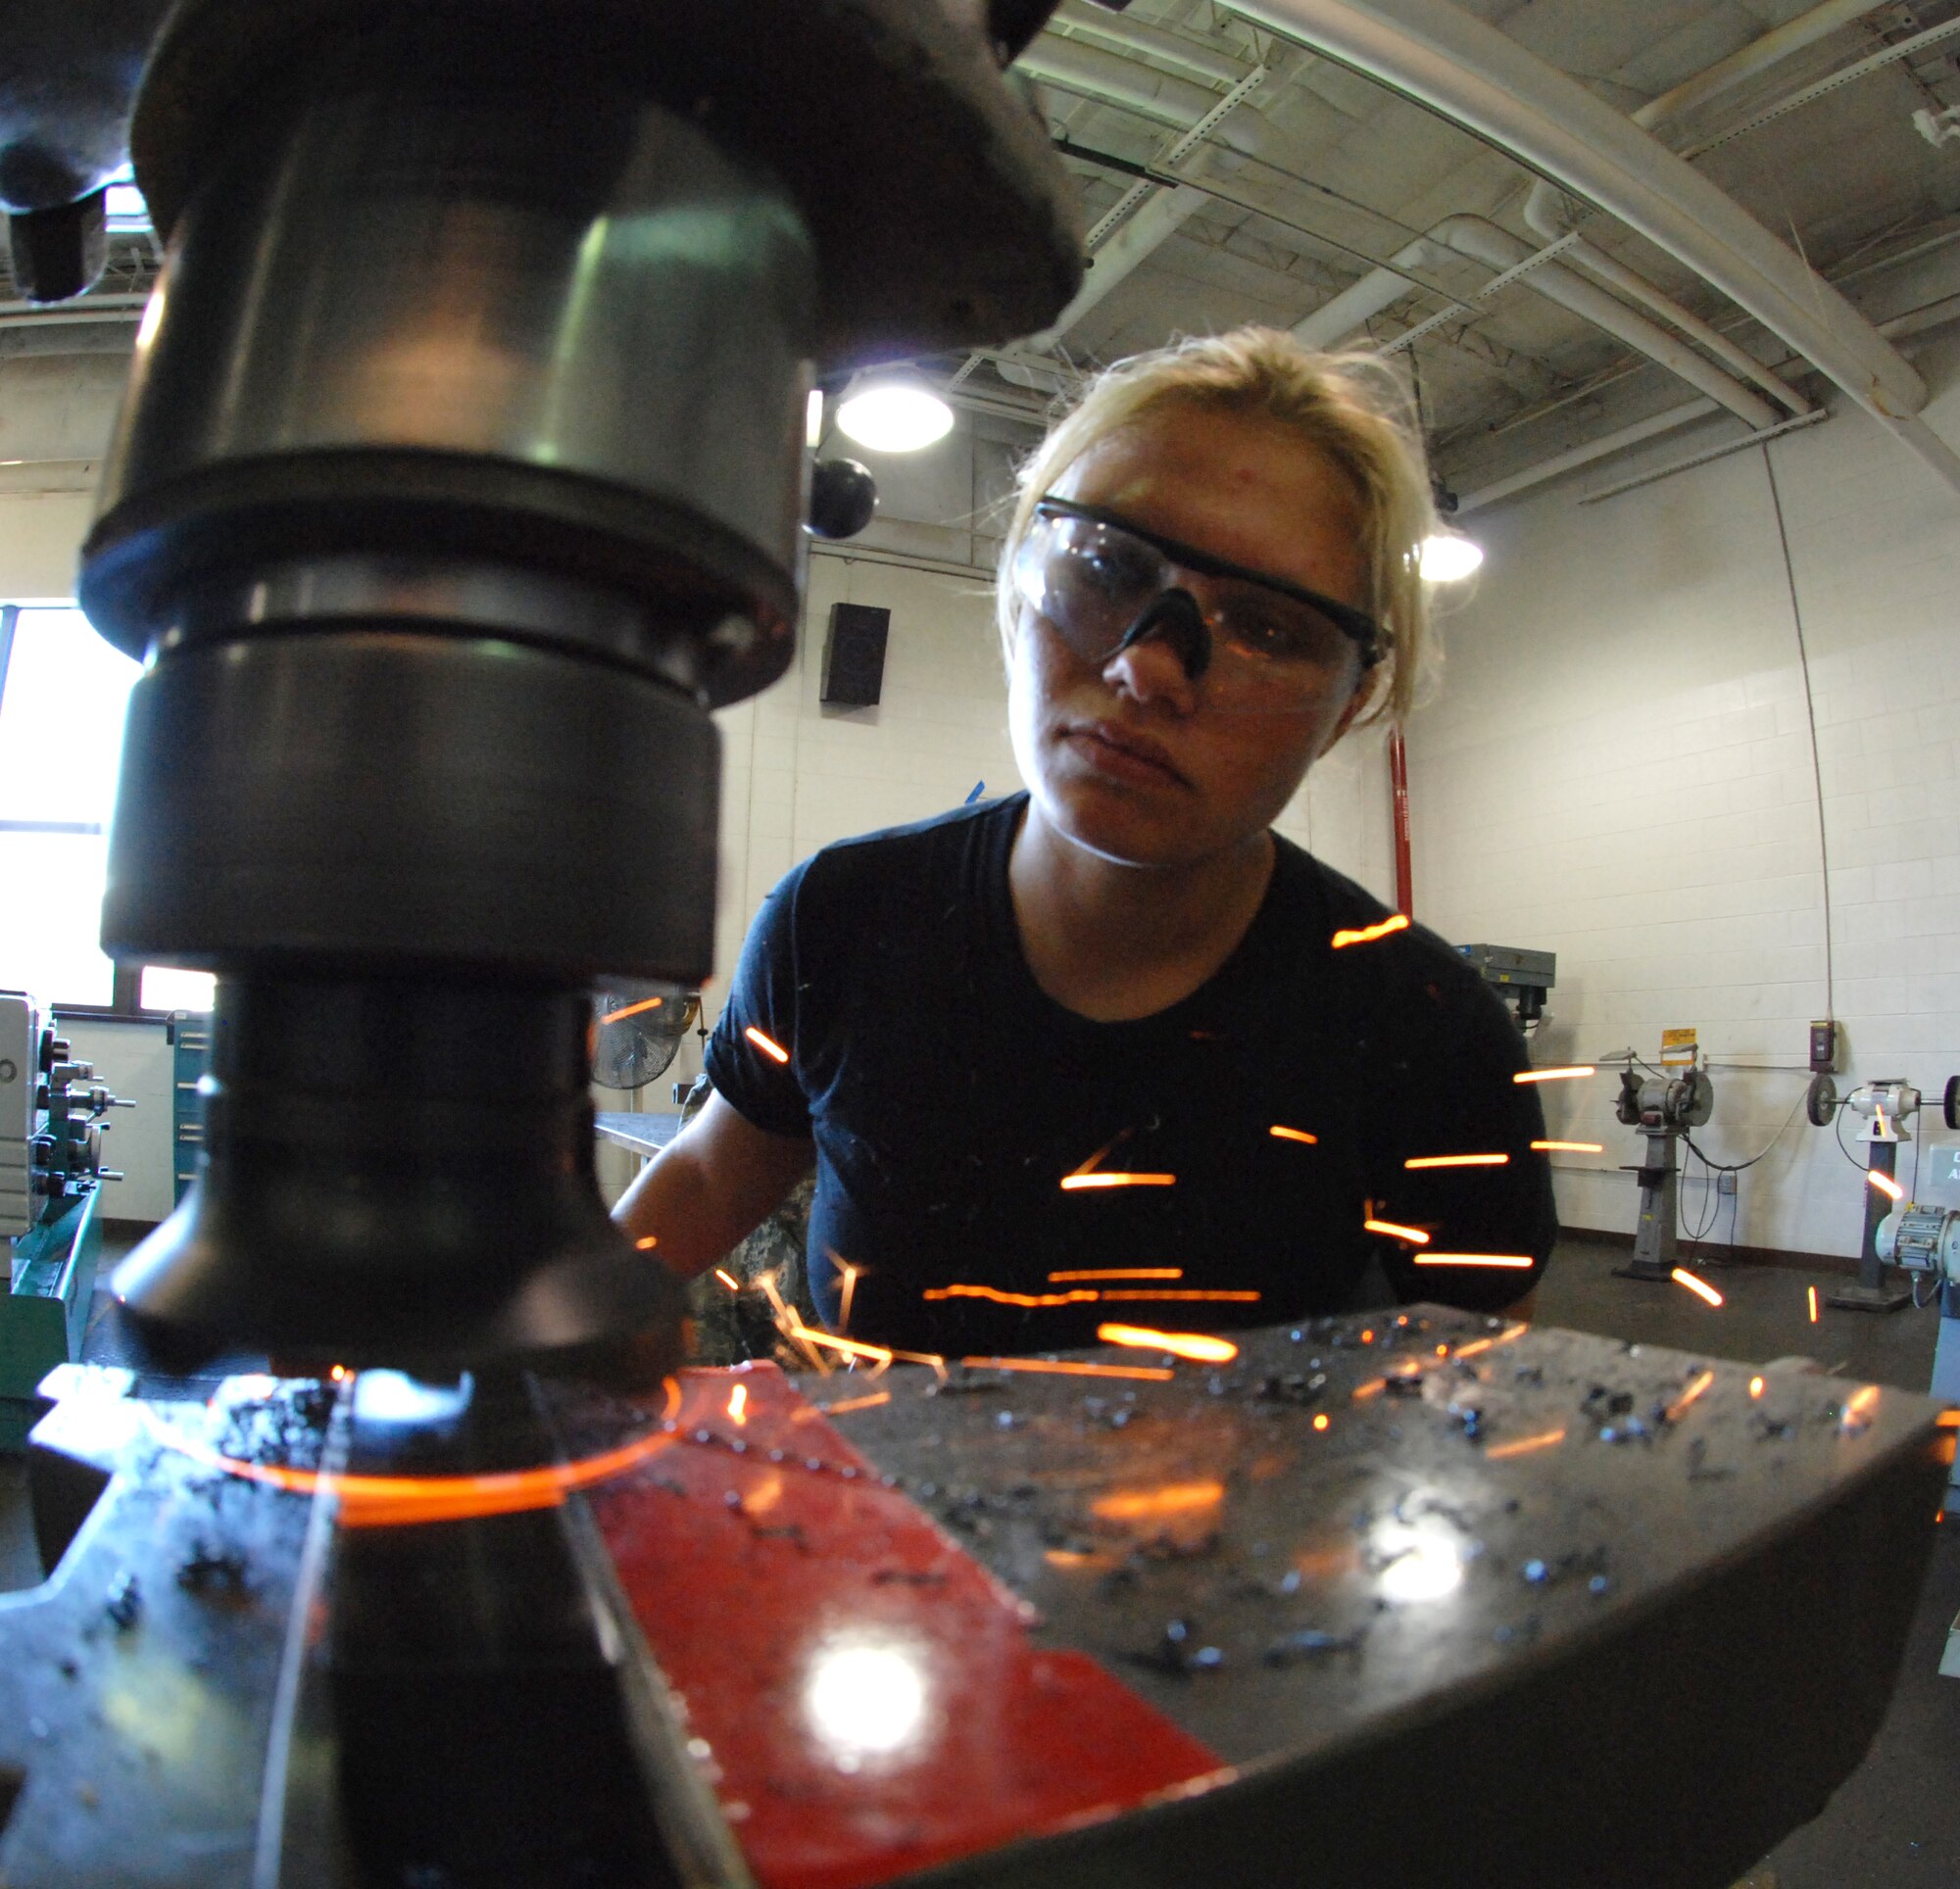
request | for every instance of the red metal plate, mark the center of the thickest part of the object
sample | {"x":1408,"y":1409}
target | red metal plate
{"x":869,"y":1694}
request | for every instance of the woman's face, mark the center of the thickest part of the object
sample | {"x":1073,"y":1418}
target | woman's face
{"x":1128,"y":759}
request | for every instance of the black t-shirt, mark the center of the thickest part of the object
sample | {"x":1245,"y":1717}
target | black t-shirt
{"x":950,"y":1099}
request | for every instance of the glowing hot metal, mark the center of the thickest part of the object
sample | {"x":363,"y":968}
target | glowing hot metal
{"x":1884,"y":1185}
{"x":1518,"y":1260}
{"x":1554,"y":1074}
{"x":1068,"y":1367}
{"x":1569,"y":1147}
{"x":1458,"y":1161}
{"x":1075,"y":1183}
{"x":1699,"y":1288}
{"x":766,"y":1045}
{"x":1117,"y":1272}
{"x":1294,"y":1135}
{"x":1367,"y":934}
{"x":1194,"y":1345}
{"x":632,"y":1009}
{"x":1413,"y":1235}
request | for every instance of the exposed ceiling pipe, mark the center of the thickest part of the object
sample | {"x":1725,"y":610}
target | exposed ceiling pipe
{"x":1912,"y":322}
{"x":1151,"y":42}
{"x":1549,"y":212}
{"x":1151,"y":225}
{"x":1460,"y":66}
{"x":1091,"y":72}
{"x":1636,"y":286}
{"x":1486,"y":243}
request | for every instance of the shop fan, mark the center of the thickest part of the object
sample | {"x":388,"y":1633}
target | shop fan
{"x":637,"y":1028}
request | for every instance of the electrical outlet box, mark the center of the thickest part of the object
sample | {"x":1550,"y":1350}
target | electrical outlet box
{"x":1824,"y":1045}
{"x":1724,"y":1184}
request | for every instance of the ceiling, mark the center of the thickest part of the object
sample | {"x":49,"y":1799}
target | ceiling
{"x":1320,"y":173}
{"x":1317,"y":174}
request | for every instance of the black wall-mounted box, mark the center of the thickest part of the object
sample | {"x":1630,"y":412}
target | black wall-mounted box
{"x":854,"y":655}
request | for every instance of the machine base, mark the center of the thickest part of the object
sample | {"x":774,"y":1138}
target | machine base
{"x":1869,"y":1299}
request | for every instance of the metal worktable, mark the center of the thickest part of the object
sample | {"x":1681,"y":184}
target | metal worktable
{"x":1430,"y":1600}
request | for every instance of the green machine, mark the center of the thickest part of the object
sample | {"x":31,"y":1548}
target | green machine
{"x":51,"y":1128}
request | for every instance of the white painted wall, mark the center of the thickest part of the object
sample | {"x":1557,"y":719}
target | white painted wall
{"x":1619,"y":770}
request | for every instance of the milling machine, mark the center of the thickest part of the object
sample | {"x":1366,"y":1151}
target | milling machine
{"x":461,"y":476}
{"x":53,"y":1115}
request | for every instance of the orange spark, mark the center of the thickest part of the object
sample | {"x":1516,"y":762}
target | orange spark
{"x":856,"y":1403}
{"x":647,"y":1244}
{"x":1554,"y":1074}
{"x":1569,"y":1147}
{"x":1884,"y":1184}
{"x":1119,"y":1272}
{"x":1691,"y":1394}
{"x":1320,"y":1420}
{"x":1073,"y":1183}
{"x":1169,"y":1498}
{"x":1858,"y":1409}
{"x":1458,"y":1161}
{"x":1394,"y":922}
{"x":339,"y":1372}
{"x":1948,"y":1419}
{"x":1194,"y":1345}
{"x":1372,"y":1389}
{"x":766,"y":1045}
{"x":1074,"y":1557}
{"x":1413,"y":1235}
{"x":728,"y":1279}
{"x":1193,"y":1292}
{"x":850,"y":1347}
{"x":790,"y":1325}
{"x":1066,"y":1368}
{"x":1294,"y":1135}
{"x":632,"y":1009}
{"x":1028,"y":1301}
{"x":1813,"y":1305}
{"x":848,"y":1272}
{"x":1525,"y":1445}
{"x":1698,"y":1287}
{"x":1472,"y":1259}
{"x":1476,"y":1345}
{"x":1755,"y":1386}
{"x":738,"y":1404}
{"x":1367,"y":1338}
{"x":393,"y":1501}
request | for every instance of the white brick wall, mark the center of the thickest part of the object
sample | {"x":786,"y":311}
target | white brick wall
{"x":1619,"y":770}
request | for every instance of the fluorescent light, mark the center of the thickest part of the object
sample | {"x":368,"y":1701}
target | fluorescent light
{"x":1446,"y":557}
{"x":894,"y":413}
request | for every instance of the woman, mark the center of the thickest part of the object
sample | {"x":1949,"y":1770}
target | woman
{"x":1111,"y":1050}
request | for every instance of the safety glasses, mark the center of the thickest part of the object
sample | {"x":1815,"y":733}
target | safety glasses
{"x":1259,"y":641}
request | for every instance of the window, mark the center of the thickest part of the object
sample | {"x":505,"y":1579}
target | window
{"x":63,"y":696}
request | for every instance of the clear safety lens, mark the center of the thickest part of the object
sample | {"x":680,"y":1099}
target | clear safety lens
{"x":1092,"y":581}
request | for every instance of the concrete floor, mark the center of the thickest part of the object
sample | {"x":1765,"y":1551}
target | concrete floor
{"x":1895,"y":1821}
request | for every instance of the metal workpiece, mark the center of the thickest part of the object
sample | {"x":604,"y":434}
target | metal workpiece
{"x":398,"y":1171}
{"x":1557,"y":1580}
{"x":999,"y":1627}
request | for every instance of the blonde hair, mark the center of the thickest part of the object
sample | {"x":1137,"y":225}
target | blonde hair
{"x":1350,"y":406}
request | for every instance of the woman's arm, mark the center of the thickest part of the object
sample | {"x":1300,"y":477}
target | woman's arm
{"x":710,"y":1187}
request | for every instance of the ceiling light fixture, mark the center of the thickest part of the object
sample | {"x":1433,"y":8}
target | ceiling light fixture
{"x":1448,"y":557}
{"x":893,"y":412}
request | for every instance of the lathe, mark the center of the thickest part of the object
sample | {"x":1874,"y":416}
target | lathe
{"x":461,"y":475}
